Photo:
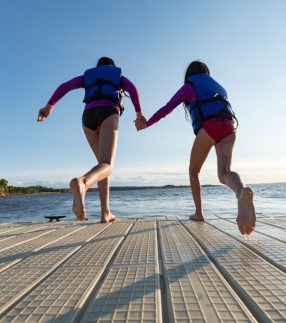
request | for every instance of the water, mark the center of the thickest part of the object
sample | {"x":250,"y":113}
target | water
{"x":270,"y":200}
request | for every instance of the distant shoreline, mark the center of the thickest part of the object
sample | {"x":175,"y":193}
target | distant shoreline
{"x":130,"y":188}
{"x":41,"y":190}
{"x":35,"y":193}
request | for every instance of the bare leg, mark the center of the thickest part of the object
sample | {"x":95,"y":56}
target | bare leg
{"x":103,"y":186}
{"x":103,"y":190}
{"x":104,"y":145}
{"x":246,"y":214}
{"x":201,"y":147}
{"x":224,"y":155}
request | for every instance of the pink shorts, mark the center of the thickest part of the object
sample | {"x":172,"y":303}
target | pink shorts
{"x":218,"y":129}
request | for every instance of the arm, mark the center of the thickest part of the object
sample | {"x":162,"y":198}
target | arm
{"x":61,"y":91}
{"x":185,"y":93}
{"x":129,"y":87}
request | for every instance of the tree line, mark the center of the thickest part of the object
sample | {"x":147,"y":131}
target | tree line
{"x":6,"y":189}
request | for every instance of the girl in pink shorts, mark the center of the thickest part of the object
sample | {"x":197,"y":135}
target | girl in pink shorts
{"x":214,"y":125}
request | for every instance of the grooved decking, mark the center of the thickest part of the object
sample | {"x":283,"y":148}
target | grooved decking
{"x":142,"y":270}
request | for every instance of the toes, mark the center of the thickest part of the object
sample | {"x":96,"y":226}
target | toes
{"x":248,"y":230}
{"x":107,"y":219}
{"x":195,"y":217}
{"x":241,"y":228}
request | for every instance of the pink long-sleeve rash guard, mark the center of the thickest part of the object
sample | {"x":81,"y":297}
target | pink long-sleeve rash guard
{"x":78,"y":82}
{"x":185,"y":94}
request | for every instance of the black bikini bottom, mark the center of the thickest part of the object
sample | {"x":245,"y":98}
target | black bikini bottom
{"x":93,"y":118}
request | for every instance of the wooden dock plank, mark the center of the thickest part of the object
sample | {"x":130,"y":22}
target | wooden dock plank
{"x":140,"y":246}
{"x":15,"y":229}
{"x":131,"y":290}
{"x":268,"y":229}
{"x":279,"y":223}
{"x":128,"y":294}
{"x":257,"y":281}
{"x":266,"y":246}
{"x":195,"y":288}
{"x":23,"y":238}
{"x":17,"y":253}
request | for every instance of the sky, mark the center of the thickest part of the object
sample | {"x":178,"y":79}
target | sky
{"x":45,"y":43}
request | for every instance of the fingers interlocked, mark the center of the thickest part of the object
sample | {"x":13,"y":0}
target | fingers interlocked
{"x":140,"y":123}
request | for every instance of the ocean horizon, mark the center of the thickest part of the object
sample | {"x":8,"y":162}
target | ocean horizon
{"x":269,"y":199}
{"x":131,"y":187}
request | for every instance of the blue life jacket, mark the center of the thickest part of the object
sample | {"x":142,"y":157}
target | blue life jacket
{"x":102,"y":82}
{"x":212,"y":101}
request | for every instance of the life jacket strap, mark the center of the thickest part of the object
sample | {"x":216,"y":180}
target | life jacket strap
{"x":215,"y":98}
{"x":100,"y":82}
{"x":225,"y":112}
{"x":121,"y":105}
{"x":98,"y":93}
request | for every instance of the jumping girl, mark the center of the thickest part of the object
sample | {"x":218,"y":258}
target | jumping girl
{"x":214,"y":124}
{"x":104,"y":87}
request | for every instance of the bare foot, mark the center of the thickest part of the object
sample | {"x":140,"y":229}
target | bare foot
{"x":196,"y":217}
{"x":78,"y":189}
{"x":246,"y":213}
{"x":108,"y":217}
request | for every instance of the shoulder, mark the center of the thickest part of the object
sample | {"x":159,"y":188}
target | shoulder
{"x":125,"y":82}
{"x":188,"y":92}
{"x":75,"y":82}
{"x":187,"y":88}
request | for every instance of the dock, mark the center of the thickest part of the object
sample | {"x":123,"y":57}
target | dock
{"x":163,"y":269}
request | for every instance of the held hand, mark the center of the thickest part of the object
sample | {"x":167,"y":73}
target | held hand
{"x":44,"y":112}
{"x":140,"y":123}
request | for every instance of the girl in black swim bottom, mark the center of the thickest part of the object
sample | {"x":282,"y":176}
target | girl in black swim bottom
{"x":100,"y":112}
{"x":93,"y":118}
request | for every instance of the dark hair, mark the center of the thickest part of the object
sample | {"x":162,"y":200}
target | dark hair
{"x":105,"y":61}
{"x":196,"y":67}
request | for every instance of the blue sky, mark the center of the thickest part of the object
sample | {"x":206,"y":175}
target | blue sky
{"x":45,"y":43}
